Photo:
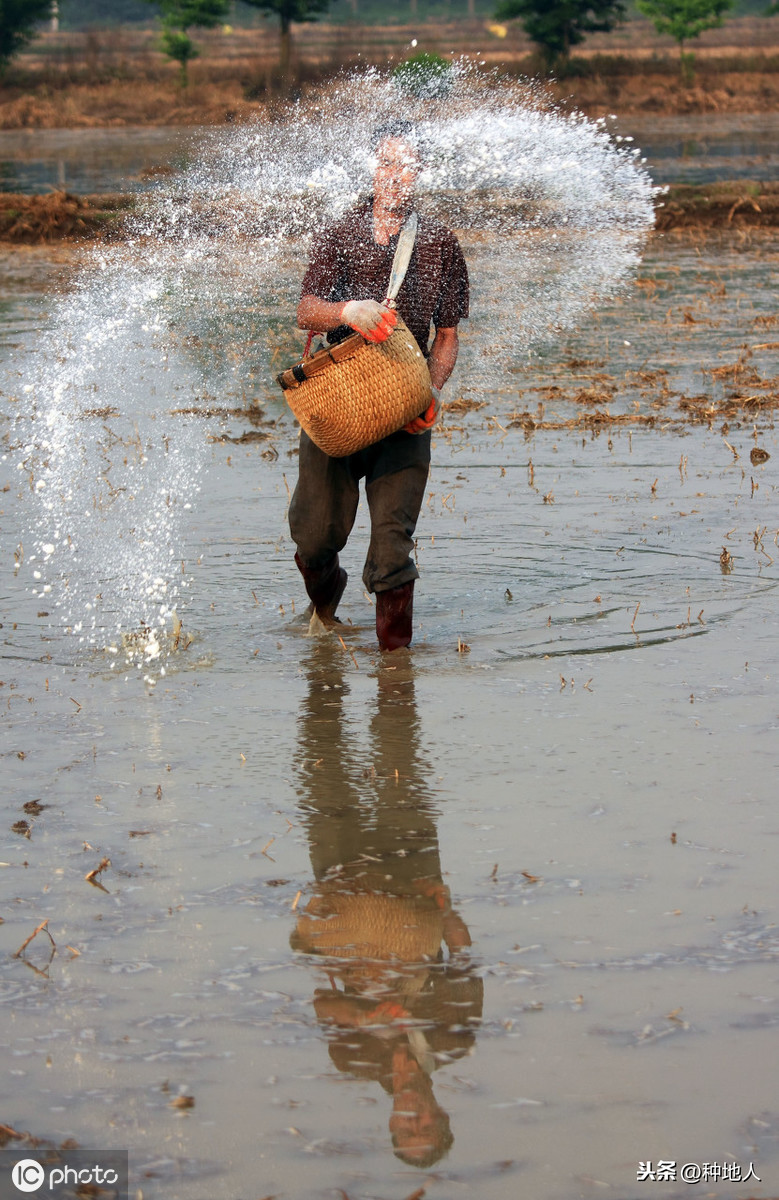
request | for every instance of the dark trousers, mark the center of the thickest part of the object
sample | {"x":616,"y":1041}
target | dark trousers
{"x":324,"y":505}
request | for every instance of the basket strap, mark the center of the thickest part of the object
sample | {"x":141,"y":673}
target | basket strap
{"x":345,"y":349}
{"x":302,"y":371}
{"x":403,"y":252}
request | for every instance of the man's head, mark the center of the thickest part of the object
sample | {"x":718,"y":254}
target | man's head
{"x":420,"y":1128}
{"x":397,"y":164}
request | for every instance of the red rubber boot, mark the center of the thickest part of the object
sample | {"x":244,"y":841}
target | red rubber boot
{"x":394,"y":612}
{"x":325,"y":587}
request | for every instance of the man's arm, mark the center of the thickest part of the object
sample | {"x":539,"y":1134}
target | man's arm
{"x":314,"y":313}
{"x":368,"y":317}
{"x":443,"y":355}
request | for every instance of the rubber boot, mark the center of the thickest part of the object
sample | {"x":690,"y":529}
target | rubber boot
{"x":325,"y":587}
{"x":394,"y":611}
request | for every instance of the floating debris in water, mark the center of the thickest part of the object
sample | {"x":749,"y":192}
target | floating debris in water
{"x":92,"y":876}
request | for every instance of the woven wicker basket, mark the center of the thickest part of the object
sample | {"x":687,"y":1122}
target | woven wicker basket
{"x":374,"y":925}
{"x":349,"y":396}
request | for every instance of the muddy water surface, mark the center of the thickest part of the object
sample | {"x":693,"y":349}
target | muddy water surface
{"x":693,"y":148}
{"x":704,"y":148}
{"x":496,"y":917}
{"x":89,"y":160}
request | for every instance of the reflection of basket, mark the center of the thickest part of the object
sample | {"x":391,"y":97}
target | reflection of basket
{"x":372,"y":925}
{"x":351,"y":395}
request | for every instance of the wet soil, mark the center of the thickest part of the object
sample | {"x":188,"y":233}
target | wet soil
{"x":57,"y":216}
{"x":719,"y":205}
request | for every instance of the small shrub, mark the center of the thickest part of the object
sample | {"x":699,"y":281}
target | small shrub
{"x":427,"y":76}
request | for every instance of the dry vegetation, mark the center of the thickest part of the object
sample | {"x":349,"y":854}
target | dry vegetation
{"x":727,"y":205}
{"x":32,"y":220}
{"x":102,"y":78}
{"x":734,"y":207}
{"x":736,"y":397}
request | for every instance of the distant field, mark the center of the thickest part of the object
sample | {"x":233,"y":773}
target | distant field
{"x":348,"y":38}
{"x":95,"y":14}
{"x":120,"y":77}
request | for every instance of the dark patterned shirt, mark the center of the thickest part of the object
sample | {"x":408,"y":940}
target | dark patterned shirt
{"x":347,"y":264}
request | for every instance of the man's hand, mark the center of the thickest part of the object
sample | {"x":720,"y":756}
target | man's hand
{"x":371,"y":319}
{"x":429,"y":417}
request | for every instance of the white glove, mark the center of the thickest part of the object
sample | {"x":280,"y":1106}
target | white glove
{"x":371,"y":319}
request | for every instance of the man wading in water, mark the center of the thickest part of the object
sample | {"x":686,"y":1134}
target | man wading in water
{"x":346,"y":280}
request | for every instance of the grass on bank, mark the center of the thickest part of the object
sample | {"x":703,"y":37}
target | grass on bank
{"x":56,"y":216}
{"x":218,"y":96}
{"x":118,"y":77}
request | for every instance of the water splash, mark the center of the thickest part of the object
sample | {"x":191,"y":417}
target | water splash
{"x":110,"y":471}
{"x":198,"y":302}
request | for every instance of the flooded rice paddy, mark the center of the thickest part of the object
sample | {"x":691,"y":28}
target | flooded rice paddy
{"x":544,"y":839}
{"x":694,"y":148}
{"x":91,"y":160}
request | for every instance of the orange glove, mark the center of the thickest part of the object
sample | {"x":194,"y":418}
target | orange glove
{"x":371,"y":319}
{"x":428,"y":418}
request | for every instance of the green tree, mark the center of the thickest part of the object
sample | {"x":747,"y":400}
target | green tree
{"x":180,"y":15}
{"x":684,"y":20}
{"x":179,"y":46}
{"x":288,"y":11}
{"x":18,"y":19}
{"x":557,"y":25}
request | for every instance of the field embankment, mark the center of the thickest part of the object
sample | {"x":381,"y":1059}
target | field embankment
{"x":63,"y":216}
{"x":57,"y":216}
{"x":726,"y":205}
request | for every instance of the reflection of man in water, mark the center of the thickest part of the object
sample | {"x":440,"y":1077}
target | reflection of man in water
{"x":343,"y":290}
{"x":397,"y":1006}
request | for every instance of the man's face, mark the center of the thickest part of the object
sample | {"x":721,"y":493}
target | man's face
{"x":397,"y":168}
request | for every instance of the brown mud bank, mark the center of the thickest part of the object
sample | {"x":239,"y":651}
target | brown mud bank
{"x":123,"y":102}
{"x":723,"y":205}
{"x":64,"y":216}
{"x":58,"y":216}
